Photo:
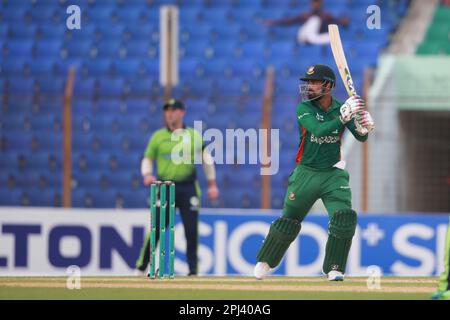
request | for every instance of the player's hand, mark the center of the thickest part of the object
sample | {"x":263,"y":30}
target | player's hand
{"x":213,"y":191}
{"x":149,"y":179}
{"x":364,"y":123}
{"x":351,"y":106}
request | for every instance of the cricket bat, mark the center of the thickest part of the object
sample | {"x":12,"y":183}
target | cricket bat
{"x":341,"y":61}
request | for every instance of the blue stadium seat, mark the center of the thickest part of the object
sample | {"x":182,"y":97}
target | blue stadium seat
{"x":42,"y":197}
{"x":19,"y":48}
{"x":140,"y":49}
{"x":104,"y":123}
{"x":138,"y":32}
{"x":129,"y":15}
{"x":138,"y":198}
{"x":195,"y":49}
{"x":127,"y":162}
{"x":78,"y":49}
{"x":111,"y":87}
{"x":19,"y":31}
{"x":100,"y":14}
{"x":48,"y":141}
{"x":14,"y":15}
{"x":250,"y":49}
{"x":108,"y":106}
{"x":13,"y":66}
{"x":94,"y":198}
{"x":88,"y":179}
{"x":42,"y":66}
{"x":84,"y":87}
{"x":51,"y":85}
{"x":51,"y":31}
{"x":140,"y":86}
{"x":43,"y":14}
{"x":20,"y":85}
{"x":128,"y":67}
{"x":150,"y":67}
{"x":189,"y":16}
{"x":48,"y":48}
{"x":10,"y":197}
{"x":214,"y":16}
{"x":44,"y":122}
{"x":98,"y":67}
{"x":107,"y":49}
{"x":243,"y":15}
{"x":8,"y":160}
{"x":194,"y":32}
{"x":17,"y":141}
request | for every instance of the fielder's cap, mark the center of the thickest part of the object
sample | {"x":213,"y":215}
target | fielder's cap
{"x":175,"y":104}
{"x":319,"y":72}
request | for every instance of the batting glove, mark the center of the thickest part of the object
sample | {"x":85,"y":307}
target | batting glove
{"x":364,"y":122}
{"x":351,"y":106}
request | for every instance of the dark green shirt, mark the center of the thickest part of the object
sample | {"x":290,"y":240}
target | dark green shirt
{"x":320,"y":134}
{"x":175,"y":154}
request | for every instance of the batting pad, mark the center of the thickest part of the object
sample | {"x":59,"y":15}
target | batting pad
{"x":281,"y":234}
{"x":340,"y":233}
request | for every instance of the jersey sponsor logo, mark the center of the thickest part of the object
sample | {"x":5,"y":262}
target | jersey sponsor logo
{"x":326,"y":139}
{"x":335,"y":132}
{"x":302,"y":115}
{"x":319,"y":117}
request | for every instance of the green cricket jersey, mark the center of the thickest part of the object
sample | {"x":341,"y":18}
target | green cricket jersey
{"x":320,"y":134}
{"x":175,"y":153}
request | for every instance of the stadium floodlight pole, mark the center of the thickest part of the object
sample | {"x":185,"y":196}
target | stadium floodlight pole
{"x":168,"y":49}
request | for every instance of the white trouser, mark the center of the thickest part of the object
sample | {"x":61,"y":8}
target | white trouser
{"x":309,"y":32}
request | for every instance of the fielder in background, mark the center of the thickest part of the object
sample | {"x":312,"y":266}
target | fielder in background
{"x":319,"y":174}
{"x":161,"y":148}
{"x":443,"y":292}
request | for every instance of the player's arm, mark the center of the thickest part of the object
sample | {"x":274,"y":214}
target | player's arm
{"x":358,"y":134}
{"x":348,"y":110}
{"x":210,"y":174}
{"x":208,"y":166}
{"x":317,"y":128}
{"x":147,"y":162}
{"x":287,"y":21}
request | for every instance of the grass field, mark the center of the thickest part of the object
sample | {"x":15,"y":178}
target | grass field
{"x":205,"y":288}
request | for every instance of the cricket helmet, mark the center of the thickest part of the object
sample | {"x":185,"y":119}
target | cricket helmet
{"x":319,"y":72}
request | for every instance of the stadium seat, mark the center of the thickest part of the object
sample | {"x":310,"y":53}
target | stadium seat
{"x":12,"y":67}
{"x":42,"y":66}
{"x":19,"y":48}
{"x":48,"y":49}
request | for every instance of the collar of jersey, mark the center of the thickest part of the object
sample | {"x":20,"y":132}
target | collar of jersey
{"x":168,"y":129}
{"x":334,"y":105}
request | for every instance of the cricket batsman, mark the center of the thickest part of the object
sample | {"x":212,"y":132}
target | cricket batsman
{"x":319,"y":174}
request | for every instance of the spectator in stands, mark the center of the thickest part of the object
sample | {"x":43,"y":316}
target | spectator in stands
{"x":187,"y":192}
{"x":315,"y":24}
